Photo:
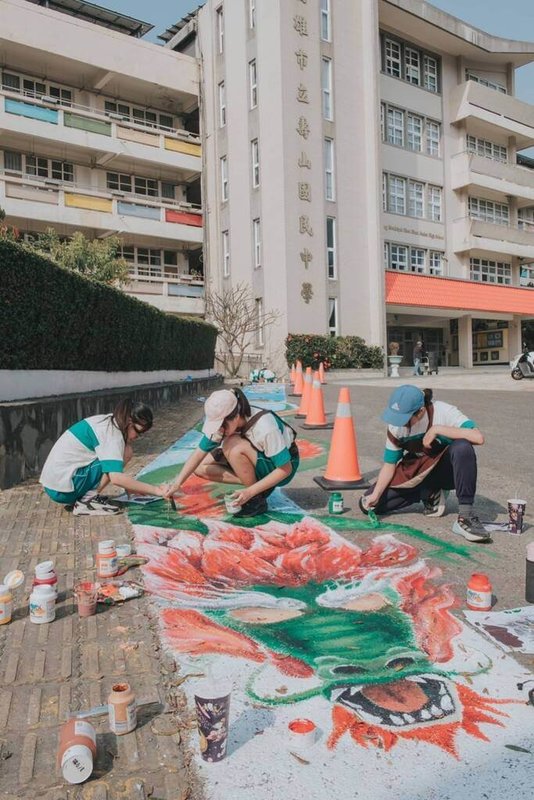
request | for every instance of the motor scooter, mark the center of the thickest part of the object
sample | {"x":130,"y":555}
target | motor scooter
{"x":523,"y":366}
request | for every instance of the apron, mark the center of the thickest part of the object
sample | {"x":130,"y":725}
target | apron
{"x":419,"y":461}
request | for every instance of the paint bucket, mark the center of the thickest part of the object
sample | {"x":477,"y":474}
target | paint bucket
{"x":516,"y":512}
{"x":213,"y":711}
{"x":302,"y":733}
{"x":529,"y":578}
{"x":106,"y":559}
{"x":86,"y":596}
{"x":122,"y":709}
{"x":6,"y":604}
{"x":77,"y":750}
{"x":479,"y":592}
{"x":335,"y":503}
{"x":231,"y":506}
{"x":45,"y":575}
{"x":42,"y":604}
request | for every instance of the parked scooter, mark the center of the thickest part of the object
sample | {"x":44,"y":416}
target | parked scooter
{"x":523,"y":366}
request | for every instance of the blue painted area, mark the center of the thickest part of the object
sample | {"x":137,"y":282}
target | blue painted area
{"x":184,"y":290}
{"x":31,"y":111}
{"x":177,"y":453}
{"x":135,"y":210}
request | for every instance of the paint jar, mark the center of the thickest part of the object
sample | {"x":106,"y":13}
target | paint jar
{"x":231,"y":506}
{"x":302,"y":733}
{"x":86,"y":597}
{"x":212,"y":705}
{"x":123,"y":550}
{"x":107,"y":563}
{"x":45,"y":575}
{"x":122,"y":709}
{"x":479,"y":592}
{"x":335,"y":503}
{"x":516,"y":512}
{"x":6,"y":604}
{"x":77,"y":750}
{"x":42,"y":604}
{"x":529,"y":580}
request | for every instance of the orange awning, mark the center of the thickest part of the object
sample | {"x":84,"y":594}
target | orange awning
{"x":426,"y":291}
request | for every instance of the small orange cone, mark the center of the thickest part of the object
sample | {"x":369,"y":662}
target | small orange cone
{"x":316,"y":417}
{"x":321,"y":373}
{"x":293,"y":374}
{"x":306,"y":394}
{"x":342,"y":470}
{"x":299,"y":383}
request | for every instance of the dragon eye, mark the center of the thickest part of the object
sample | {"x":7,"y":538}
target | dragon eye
{"x":400,"y":663}
{"x":348,"y":669}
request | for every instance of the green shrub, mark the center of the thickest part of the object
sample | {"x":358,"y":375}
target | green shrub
{"x":336,"y":352}
{"x":51,"y":318}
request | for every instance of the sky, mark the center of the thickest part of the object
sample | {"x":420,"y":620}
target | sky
{"x":513,"y":19}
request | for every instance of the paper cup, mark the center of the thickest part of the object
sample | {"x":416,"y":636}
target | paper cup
{"x":231,"y":506}
{"x":516,"y":512}
{"x":86,"y":596}
{"x":213,"y":709}
{"x":302,"y":733}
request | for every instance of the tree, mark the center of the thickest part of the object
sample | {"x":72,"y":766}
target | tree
{"x":7,"y":232}
{"x":239,"y":319}
{"x":95,"y":258}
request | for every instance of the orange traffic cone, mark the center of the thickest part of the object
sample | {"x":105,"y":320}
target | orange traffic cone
{"x":321,"y":373}
{"x":299,"y":383}
{"x":306,"y":394}
{"x":293,"y":374}
{"x":316,"y":417}
{"x":342,"y":470}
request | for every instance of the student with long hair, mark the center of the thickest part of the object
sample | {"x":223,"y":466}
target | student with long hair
{"x":91,"y":454}
{"x":429,"y":450}
{"x":245,"y":445}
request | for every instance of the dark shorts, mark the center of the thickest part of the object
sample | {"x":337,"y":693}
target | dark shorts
{"x":264,"y":464}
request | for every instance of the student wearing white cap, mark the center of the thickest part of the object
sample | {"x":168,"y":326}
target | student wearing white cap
{"x":429,"y":450}
{"x":253,"y":447}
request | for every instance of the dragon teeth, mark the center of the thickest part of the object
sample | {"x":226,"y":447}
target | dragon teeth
{"x":446,"y":703}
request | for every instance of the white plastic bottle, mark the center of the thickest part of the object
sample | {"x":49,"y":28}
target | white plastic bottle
{"x":42,"y":604}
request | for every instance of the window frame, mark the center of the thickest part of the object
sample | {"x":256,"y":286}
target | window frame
{"x":326,"y":21}
{"x":329,"y":169}
{"x":333,"y":307}
{"x":255,"y":162}
{"x":223,"y":167}
{"x":260,"y":330}
{"x":252,"y":84}
{"x":252,"y":14}
{"x":326,"y":88}
{"x":256,"y":242}
{"x":331,"y":249}
{"x":225,"y":247}
{"x":222,"y":104}
{"x":219,"y":12}
{"x":412,"y":64}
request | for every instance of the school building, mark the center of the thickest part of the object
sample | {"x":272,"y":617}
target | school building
{"x":362,"y":172}
{"x":99,"y":132}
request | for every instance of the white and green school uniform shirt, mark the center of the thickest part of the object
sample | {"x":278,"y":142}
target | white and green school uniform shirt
{"x":271,"y":438}
{"x":444,"y":414}
{"x":95,"y":439}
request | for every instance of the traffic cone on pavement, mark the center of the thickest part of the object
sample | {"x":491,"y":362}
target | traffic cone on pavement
{"x":293,"y":375}
{"x":299,"y":383}
{"x":316,"y":417}
{"x":321,"y":373}
{"x":342,"y":470}
{"x":306,"y":394}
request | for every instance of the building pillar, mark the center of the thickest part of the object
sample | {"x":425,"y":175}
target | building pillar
{"x":465,"y":342}
{"x":515,"y":339}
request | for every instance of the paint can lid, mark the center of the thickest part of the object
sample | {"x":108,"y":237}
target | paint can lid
{"x":106,"y":547}
{"x":44,"y":568}
{"x":77,"y":763}
{"x":14,"y":579}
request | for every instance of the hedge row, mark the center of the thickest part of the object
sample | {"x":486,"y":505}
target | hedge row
{"x":336,"y":352}
{"x":51,"y":318}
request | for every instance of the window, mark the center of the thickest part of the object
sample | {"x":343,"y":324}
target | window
{"x":39,"y":167}
{"x":414,"y":128}
{"x":226,"y":253}
{"x":220,"y":29}
{"x":396,"y":196}
{"x":416,"y":199}
{"x":118,"y":182}
{"x":329,"y":169}
{"x":430,"y":73}
{"x":412,"y":65}
{"x":35,"y":88}
{"x":224,"y":178}
{"x":498,"y":87}
{"x":255,"y":159}
{"x":409,"y":63}
{"x":403,"y":258}
{"x":436,"y":262}
{"x":393,"y":58}
{"x":252,"y":13}
{"x":141,"y":116}
{"x":398,"y":258}
{"x":253,"y":83}
{"x":259,"y":322}
{"x":487,"y":149}
{"x":126,"y":183}
{"x":417,"y":259}
{"x":167,"y":190}
{"x":12,"y":162}
{"x":489,"y":211}
{"x":332,"y":316}
{"x":222,"y":105}
{"x":491,"y":271}
{"x":62,"y":171}
{"x":11,"y":82}
{"x":434,"y":203}
{"x":146,"y":186}
{"x":256,"y":236}
{"x":326,"y":30}
{"x":326,"y":85}
{"x":331,"y":258}
{"x":64,"y":96}
{"x":433,"y":136}
{"x":32,"y":88}
{"x":395,"y":126}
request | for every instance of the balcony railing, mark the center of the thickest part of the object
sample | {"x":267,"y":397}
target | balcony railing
{"x":509,"y":179}
{"x":506,"y":239}
{"x":144,"y":272}
{"x":470,"y":99}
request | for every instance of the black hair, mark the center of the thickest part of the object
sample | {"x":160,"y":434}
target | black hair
{"x":428,"y":393}
{"x":128,"y":411}
{"x":242,"y":408}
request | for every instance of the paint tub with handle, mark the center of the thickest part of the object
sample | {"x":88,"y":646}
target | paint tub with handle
{"x":231,"y":506}
{"x":86,"y":594}
{"x":302,"y":733}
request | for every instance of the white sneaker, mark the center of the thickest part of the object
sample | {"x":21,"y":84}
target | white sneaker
{"x":84,"y":508}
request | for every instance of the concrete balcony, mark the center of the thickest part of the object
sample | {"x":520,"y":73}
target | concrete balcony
{"x":174,"y":294}
{"x":73,"y":130}
{"x":492,"y":110}
{"x":468,"y":169}
{"x":46,"y":201}
{"x":487,"y":237}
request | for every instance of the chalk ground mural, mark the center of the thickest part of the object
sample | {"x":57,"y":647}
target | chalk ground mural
{"x":358,"y":636}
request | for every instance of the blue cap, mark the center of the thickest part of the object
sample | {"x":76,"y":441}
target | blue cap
{"x":403,"y":404}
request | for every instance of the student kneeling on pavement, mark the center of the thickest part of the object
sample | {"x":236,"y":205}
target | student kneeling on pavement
{"x":253,"y":447}
{"x":429,"y":450}
{"x":91,"y":454}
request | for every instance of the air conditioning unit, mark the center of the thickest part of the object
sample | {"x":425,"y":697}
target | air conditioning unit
{"x":46,"y":98}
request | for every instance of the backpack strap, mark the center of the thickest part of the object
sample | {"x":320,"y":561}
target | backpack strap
{"x":252,"y":421}
{"x":398,"y":443}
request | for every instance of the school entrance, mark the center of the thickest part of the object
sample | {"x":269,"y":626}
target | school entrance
{"x":433,"y":341}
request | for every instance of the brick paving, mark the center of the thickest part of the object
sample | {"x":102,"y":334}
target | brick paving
{"x":48,"y":670}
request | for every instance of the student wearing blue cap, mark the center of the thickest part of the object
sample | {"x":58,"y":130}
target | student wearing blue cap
{"x":429,"y":450}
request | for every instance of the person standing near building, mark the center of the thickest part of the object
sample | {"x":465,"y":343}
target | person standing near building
{"x":417,"y":356}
